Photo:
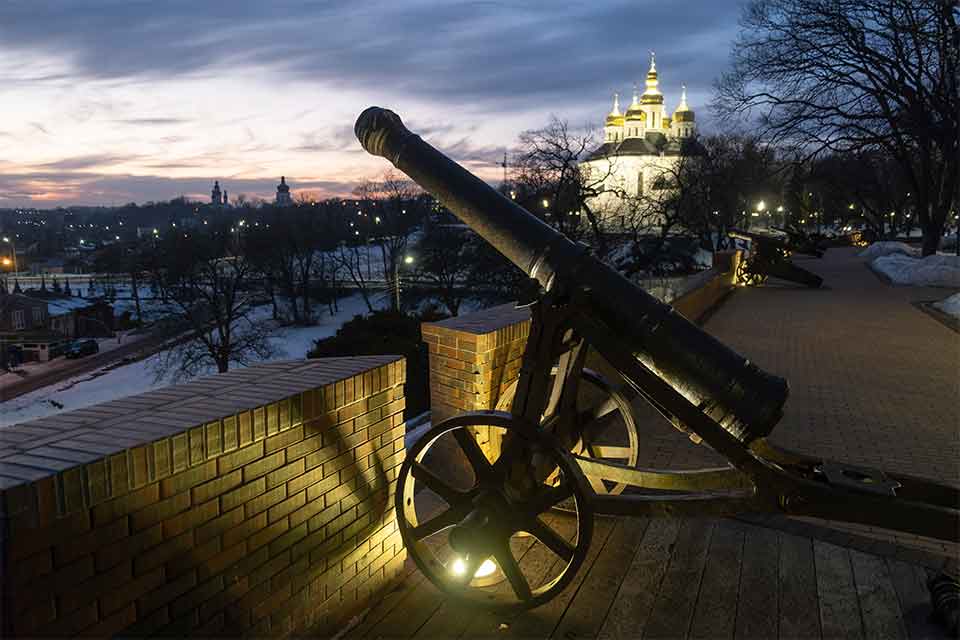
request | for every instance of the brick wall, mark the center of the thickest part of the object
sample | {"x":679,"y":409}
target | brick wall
{"x":257,"y":502}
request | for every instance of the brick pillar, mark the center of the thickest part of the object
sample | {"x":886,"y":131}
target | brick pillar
{"x":473,"y":359}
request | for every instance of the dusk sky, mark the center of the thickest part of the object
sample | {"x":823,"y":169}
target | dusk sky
{"x":106,"y":102}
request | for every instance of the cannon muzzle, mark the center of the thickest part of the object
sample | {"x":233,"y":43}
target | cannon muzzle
{"x":746,"y":401}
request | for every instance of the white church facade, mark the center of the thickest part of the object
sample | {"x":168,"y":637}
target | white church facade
{"x":640,"y":150}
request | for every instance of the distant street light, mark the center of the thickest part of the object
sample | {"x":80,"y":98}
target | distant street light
{"x":407,"y":259}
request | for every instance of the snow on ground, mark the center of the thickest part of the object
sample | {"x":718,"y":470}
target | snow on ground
{"x":878,"y":249}
{"x":950,"y":306}
{"x":932,"y":271}
{"x":109,"y":384}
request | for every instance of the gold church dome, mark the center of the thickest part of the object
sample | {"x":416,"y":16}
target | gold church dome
{"x":615,"y":118}
{"x":683,"y":112}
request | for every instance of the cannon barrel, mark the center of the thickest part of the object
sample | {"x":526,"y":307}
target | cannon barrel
{"x":739,"y":396}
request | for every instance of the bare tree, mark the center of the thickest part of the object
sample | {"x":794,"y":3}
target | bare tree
{"x":210,"y":285}
{"x":550,"y":182}
{"x":391,"y":209}
{"x":443,"y":263}
{"x":854,"y":75}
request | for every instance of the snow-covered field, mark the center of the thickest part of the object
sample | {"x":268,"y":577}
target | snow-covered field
{"x":109,"y":384}
{"x":878,"y":249}
{"x":950,"y":306}
{"x":932,"y":271}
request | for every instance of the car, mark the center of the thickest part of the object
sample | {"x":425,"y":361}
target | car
{"x":80,"y":348}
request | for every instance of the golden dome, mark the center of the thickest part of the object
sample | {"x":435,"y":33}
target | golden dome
{"x":614,"y":120}
{"x":635,"y":111}
{"x":683,"y":112}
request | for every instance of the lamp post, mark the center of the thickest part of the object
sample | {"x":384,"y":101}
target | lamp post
{"x":396,"y":278}
{"x":13,"y":251}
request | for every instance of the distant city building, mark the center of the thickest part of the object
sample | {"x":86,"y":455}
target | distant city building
{"x":217,"y":198}
{"x":641,"y":146}
{"x":283,"y":193}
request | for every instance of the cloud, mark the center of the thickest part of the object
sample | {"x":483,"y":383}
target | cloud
{"x":254,"y":89}
{"x":152,"y":122}
{"x":86,"y":162}
{"x":480,"y":52}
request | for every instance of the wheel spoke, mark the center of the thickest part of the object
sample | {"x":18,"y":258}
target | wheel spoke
{"x":550,"y":497}
{"x":473,"y":452}
{"x":448,"y":518}
{"x":553,"y":540}
{"x":436,"y":484}
{"x":508,"y":564}
{"x":608,"y":451}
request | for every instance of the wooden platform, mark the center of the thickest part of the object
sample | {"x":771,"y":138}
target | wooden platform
{"x":702,"y":578}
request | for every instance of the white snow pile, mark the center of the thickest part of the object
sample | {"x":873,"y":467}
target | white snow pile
{"x":885,"y":248}
{"x":950,"y":306}
{"x":932,"y":271}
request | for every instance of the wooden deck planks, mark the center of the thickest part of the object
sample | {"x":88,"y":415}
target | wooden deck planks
{"x":910,"y":583}
{"x":586,"y":613}
{"x":633,"y":602}
{"x":799,"y":610}
{"x":758,"y":605}
{"x":836,"y":592}
{"x":715,"y":614}
{"x":879,"y":605}
{"x":674,"y":606}
{"x":697,"y":578}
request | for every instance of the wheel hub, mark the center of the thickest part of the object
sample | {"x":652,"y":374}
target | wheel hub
{"x":485,"y":525}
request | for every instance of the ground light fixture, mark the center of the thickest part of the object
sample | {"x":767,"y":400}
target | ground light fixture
{"x":487,"y":568}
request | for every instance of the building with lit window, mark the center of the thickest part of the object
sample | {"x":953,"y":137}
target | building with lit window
{"x":641,"y":147}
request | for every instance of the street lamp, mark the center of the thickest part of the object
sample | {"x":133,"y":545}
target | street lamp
{"x":13,"y":252}
{"x":408,"y":260}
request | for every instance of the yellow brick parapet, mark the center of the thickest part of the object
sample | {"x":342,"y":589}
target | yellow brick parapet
{"x":253,"y":502}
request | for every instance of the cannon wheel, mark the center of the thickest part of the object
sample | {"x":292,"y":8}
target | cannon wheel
{"x":747,"y":273}
{"x":609,"y":404}
{"x":492,"y":512}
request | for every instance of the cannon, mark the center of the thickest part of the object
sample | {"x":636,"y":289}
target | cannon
{"x":769,"y":255}
{"x":469,"y":527}
{"x":811,"y":244}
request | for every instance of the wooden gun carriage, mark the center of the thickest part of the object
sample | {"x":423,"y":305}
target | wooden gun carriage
{"x":462,"y":524}
{"x":769,"y":255}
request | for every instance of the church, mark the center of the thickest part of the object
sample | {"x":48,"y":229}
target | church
{"x":640,"y":147}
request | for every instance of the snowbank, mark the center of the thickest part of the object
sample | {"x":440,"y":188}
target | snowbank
{"x":109,"y":383}
{"x":932,"y":271}
{"x":878,"y":249}
{"x":950,"y":306}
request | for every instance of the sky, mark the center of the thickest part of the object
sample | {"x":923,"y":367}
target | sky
{"x":105,"y":102}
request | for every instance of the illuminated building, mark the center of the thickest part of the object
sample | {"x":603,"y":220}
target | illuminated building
{"x":216,"y":198}
{"x":640,"y":148}
{"x":283,"y":193}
